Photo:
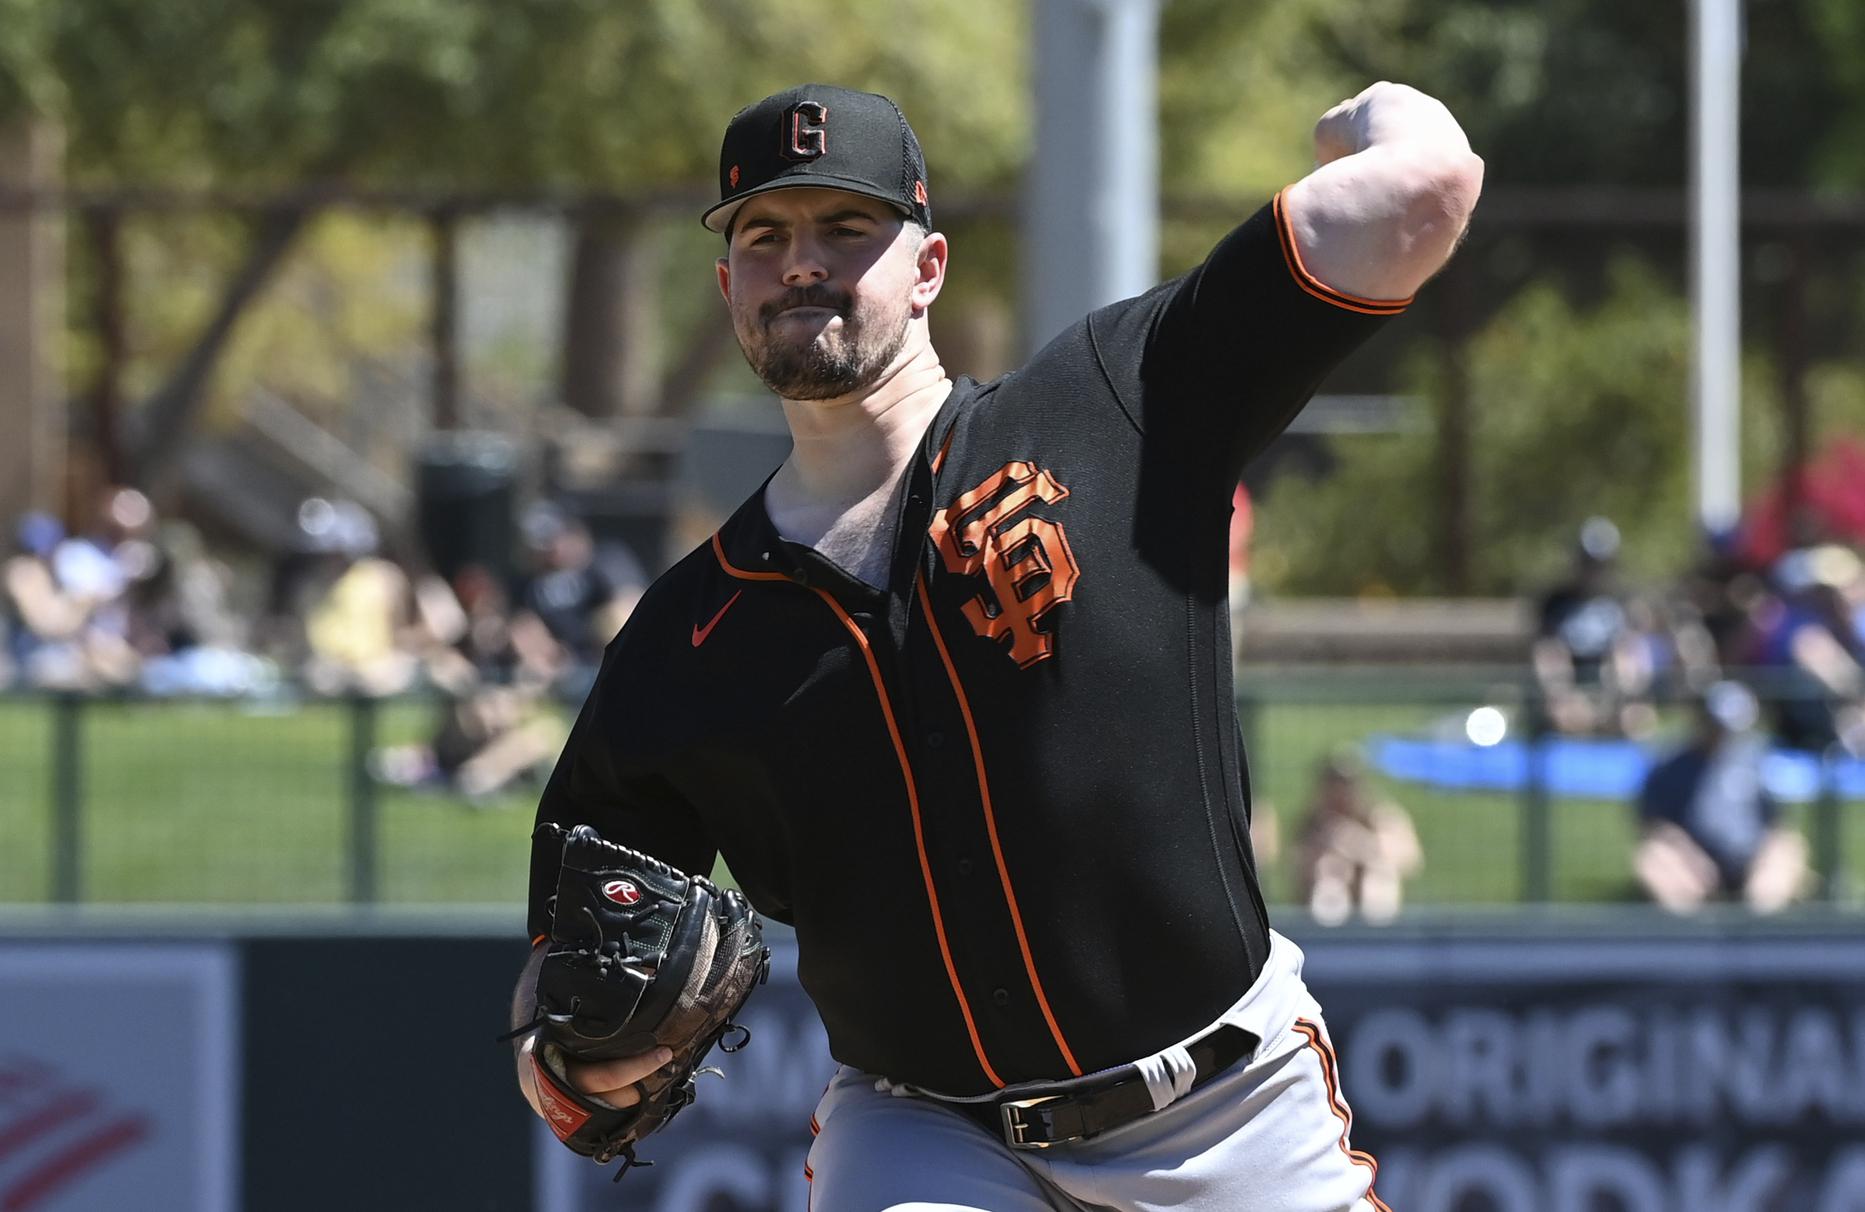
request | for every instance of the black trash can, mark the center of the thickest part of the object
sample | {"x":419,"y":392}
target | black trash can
{"x":466,"y":489}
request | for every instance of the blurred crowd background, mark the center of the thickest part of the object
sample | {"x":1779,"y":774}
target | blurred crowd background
{"x":133,"y":604}
{"x":361,"y":363}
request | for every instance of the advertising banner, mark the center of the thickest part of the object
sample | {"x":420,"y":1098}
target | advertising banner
{"x":117,"y":1077}
{"x":1608,"y":1075}
{"x":1694,"y":1073}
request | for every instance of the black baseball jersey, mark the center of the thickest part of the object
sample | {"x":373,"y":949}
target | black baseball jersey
{"x":1003,"y":799}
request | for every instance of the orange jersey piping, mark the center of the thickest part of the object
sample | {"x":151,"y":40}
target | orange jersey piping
{"x":1338,"y":1105}
{"x":990,"y":825}
{"x":913,"y":797}
{"x":718,"y":551}
{"x":1292,"y":256}
{"x":939,"y":459}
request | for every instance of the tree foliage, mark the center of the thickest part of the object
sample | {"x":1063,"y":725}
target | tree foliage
{"x":1552,"y":92}
{"x":1604,"y":386}
{"x":571,"y":95}
{"x":1581,"y":396}
{"x":1562,"y":92}
{"x":1579,"y":409}
{"x":486,"y":93}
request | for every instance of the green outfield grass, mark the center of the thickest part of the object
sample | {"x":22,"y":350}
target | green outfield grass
{"x":1472,"y":841}
{"x":207,"y":802}
{"x":221,"y":803}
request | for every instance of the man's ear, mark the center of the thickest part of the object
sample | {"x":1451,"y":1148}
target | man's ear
{"x":929,"y":270}
{"x":724,"y":266}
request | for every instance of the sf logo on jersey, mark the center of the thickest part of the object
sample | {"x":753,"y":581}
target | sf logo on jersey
{"x":1025,"y":559}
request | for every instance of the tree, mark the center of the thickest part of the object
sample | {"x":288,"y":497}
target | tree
{"x":1579,"y":410}
{"x":1554,"y":94}
{"x":573,"y":95}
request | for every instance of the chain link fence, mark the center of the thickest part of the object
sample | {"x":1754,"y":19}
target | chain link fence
{"x":123,"y":799}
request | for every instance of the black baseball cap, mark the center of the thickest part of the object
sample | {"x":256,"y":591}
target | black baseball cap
{"x":824,"y":137}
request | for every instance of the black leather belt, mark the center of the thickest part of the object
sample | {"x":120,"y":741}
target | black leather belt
{"x":1085,"y":1107}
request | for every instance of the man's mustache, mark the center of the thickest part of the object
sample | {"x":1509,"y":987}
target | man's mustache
{"x":805,"y":296}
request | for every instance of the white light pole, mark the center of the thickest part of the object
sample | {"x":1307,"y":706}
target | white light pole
{"x":1091,"y":201}
{"x":1715,"y":258}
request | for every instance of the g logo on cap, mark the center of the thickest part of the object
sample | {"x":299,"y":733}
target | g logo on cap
{"x":804,"y":136}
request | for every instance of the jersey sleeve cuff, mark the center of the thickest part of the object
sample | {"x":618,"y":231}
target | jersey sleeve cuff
{"x":1292,"y":257}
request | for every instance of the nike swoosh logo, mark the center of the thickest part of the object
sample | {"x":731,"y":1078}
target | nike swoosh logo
{"x":700,"y":633}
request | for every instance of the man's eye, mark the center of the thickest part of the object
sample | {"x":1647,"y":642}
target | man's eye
{"x":847,"y":232}
{"x":763,"y":237}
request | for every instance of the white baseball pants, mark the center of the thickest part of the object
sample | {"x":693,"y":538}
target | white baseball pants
{"x":1268,"y":1135}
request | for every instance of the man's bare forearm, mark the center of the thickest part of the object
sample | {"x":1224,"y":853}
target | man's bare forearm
{"x":1392,"y":192}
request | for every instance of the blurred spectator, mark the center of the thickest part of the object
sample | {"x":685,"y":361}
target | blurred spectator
{"x":1242,"y":528}
{"x":180,"y":600}
{"x":480,"y":647}
{"x":1807,"y":640}
{"x":1710,"y":828}
{"x":494,"y":725}
{"x":1679,"y":647}
{"x":182,"y":625}
{"x":100,"y":563}
{"x":1593,"y":665}
{"x":42,"y":623}
{"x":1265,"y":834}
{"x":361,"y":629}
{"x":1355,"y":849}
{"x":1714,"y":593}
{"x":59,"y":637}
{"x":571,"y":605}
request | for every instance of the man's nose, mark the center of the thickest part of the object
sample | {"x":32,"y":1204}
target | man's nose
{"x":804,"y":264}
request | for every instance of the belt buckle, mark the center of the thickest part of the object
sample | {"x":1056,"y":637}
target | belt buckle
{"x":1016,"y":1128}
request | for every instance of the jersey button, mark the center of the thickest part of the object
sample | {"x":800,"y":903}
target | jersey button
{"x":935,"y":740}
{"x":964,"y":866}
{"x":1001,"y":997}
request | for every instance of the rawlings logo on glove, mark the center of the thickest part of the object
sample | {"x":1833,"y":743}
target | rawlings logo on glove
{"x":640,"y":955}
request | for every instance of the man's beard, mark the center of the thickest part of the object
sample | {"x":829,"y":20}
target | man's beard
{"x":822,"y":367}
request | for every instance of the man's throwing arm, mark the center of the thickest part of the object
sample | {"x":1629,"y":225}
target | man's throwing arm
{"x":1391,"y":194}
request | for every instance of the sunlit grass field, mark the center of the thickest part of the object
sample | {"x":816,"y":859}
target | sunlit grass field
{"x":229,"y":803}
{"x":216,"y":802}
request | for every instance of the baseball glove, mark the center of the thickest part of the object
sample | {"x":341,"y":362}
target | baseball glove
{"x":639,"y":955}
